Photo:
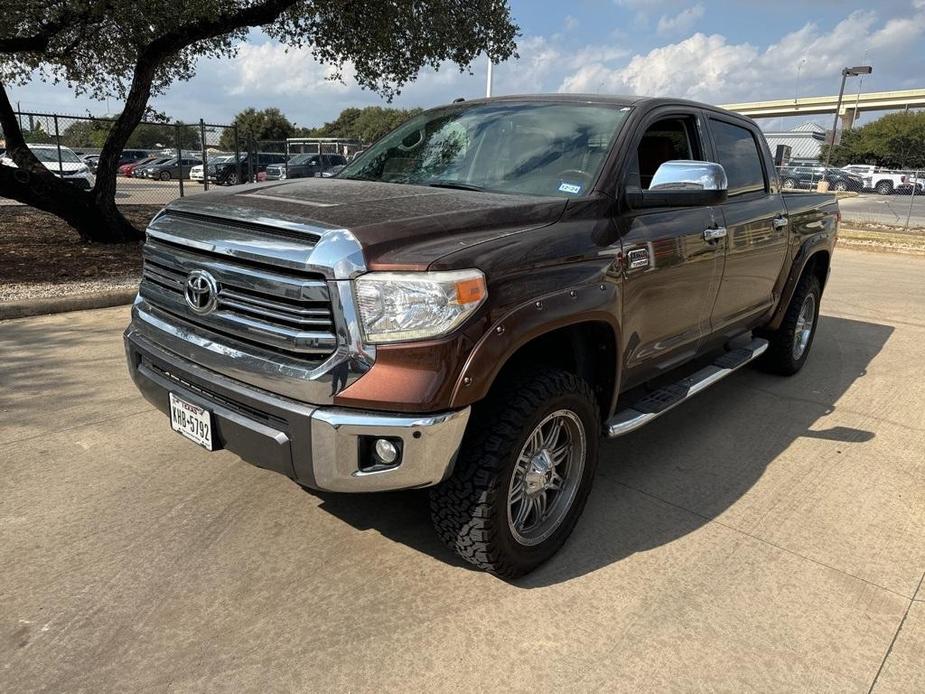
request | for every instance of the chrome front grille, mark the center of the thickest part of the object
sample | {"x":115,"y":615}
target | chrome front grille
{"x":284,"y":310}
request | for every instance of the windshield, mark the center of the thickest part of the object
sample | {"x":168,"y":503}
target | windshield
{"x":535,"y":148}
{"x":50,"y":154}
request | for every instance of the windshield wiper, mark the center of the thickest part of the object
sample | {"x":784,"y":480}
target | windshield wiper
{"x":457,"y":185}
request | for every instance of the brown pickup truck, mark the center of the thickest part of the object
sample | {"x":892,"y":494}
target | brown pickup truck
{"x":476,"y":300}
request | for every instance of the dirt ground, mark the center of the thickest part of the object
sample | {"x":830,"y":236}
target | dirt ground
{"x":41,"y":256}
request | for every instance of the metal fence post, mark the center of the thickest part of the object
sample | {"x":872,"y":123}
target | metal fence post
{"x":205,"y":155}
{"x":237,"y":152}
{"x":251,"y":153}
{"x":286,"y":162}
{"x":915,"y":185}
{"x":180,"y":157}
{"x":58,"y":141}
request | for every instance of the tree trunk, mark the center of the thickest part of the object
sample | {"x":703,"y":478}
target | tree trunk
{"x":94,"y":218}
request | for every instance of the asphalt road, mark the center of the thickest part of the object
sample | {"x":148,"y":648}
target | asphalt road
{"x":767,"y":536}
{"x":893,"y":210}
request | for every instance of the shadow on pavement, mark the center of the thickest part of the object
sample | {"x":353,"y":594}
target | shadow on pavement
{"x":678,"y":473}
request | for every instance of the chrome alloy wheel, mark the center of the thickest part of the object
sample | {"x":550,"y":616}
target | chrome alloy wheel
{"x":804,"y":326}
{"x":546,"y":477}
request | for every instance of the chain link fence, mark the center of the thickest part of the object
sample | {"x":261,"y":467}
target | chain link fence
{"x":162,"y":161}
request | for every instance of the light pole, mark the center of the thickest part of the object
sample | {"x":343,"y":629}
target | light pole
{"x":796,"y":88}
{"x":489,"y":78}
{"x":854,"y":72}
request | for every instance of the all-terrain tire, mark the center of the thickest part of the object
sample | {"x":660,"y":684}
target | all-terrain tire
{"x":781,"y":357}
{"x":470,"y":509}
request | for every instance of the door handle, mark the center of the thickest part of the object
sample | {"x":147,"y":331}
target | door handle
{"x":779,"y":222}
{"x":714,"y":234}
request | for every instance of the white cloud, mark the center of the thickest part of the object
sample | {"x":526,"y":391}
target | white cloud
{"x":682,"y":22}
{"x":710,"y":68}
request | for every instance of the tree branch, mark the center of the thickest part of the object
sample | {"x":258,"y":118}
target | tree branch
{"x":150,"y":59}
{"x":39,"y":41}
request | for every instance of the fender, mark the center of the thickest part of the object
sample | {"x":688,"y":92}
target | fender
{"x":822,"y":241}
{"x":598,"y":303}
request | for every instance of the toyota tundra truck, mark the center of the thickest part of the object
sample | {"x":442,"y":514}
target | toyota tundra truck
{"x":477,"y":300}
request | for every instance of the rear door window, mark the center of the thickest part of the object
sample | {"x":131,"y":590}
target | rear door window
{"x":738,"y":153}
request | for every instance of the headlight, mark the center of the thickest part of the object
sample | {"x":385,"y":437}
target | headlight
{"x":397,"y":306}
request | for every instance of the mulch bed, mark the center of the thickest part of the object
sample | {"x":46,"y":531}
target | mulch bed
{"x":42,"y":257}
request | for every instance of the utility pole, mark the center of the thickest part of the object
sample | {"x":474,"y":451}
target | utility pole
{"x":489,"y":80}
{"x":852,"y":71}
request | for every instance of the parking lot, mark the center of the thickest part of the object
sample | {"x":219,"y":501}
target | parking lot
{"x":891,"y":210}
{"x":767,"y":536}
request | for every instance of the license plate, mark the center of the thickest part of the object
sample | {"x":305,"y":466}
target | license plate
{"x":194,"y":422}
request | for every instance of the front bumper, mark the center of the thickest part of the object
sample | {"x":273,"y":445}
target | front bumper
{"x":317,"y":446}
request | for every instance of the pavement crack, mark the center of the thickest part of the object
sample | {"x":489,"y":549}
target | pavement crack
{"x":896,"y":635}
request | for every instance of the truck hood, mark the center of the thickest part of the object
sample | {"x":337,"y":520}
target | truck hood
{"x":400,"y":227}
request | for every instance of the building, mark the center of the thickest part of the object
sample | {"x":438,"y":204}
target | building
{"x":805,"y":142}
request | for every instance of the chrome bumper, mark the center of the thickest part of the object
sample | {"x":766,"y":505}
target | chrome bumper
{"x":319,"y":447}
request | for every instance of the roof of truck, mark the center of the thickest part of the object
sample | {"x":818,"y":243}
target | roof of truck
{"x":609,"y":99}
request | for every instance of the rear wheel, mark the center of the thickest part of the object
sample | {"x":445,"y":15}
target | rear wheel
{"x":523,"y":474}
{"x":789,"y":183}
{"x":790,"y":344}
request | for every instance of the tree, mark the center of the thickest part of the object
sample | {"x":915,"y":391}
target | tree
{"x":268,"y":124}
{"x":149,"y":45}
{"x":366,"y":124}
{"x":896,"y":141}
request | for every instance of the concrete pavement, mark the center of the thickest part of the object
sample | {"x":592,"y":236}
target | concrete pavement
{"x":767,"y":536}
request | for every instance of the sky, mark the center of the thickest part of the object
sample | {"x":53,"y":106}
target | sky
{"x":718,"y":52}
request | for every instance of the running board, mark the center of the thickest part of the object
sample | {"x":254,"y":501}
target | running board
{"x":658,"y":402}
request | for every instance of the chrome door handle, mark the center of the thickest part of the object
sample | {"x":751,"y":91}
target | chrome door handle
{"x":779,"y":222}
{"x":714,"y":233}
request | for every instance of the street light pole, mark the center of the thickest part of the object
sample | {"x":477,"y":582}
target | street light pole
{"x":854,"y":72}
{"x":490,"y":78}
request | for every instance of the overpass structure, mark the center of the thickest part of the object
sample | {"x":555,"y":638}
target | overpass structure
{"x":852,"y":105}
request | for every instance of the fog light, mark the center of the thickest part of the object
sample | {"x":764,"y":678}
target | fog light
{"x":386,"y":451}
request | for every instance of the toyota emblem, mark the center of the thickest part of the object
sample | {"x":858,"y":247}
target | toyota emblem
{"x":201,"y":292}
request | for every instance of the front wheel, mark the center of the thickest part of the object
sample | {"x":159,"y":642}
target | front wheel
{"x":523,"y":474}
{"x":884,"y":188}
{"x":165,"y":175}
{"x":790,"y":344}
{"x":841,"y":186}
{"x":789,"y":183}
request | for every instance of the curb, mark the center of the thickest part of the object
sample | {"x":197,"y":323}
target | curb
{"x":78,"y":302}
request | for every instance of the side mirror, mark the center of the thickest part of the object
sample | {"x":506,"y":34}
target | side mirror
{"x":683,"y":183}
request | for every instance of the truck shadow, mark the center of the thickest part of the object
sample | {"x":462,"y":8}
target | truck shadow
{"x":672,"y":477}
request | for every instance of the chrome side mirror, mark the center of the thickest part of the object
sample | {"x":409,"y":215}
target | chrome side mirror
{"x":684,"y":174}
{"x":683,"y":183}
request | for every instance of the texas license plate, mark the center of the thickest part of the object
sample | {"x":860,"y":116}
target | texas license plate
{"x":194,"y":422}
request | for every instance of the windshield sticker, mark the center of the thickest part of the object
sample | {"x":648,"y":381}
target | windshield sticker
{"x":572,"y":188}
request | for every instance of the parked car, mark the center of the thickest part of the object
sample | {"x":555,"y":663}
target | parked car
{"x":127,"y":169}
{"x":473,"y":304}
{"x":886,"y":182}
{"x":227,"y":173}
{"x":305,"y":166}
{"x":808,"y":177}
{"x":197,"y":173}
{"x":62,"y":162}
{"x":128,"y":156}
{"x":172,"y":168}
{"x":90,"y":160}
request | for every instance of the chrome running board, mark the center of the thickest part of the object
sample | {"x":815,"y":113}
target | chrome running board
{"x":658,"y":402}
